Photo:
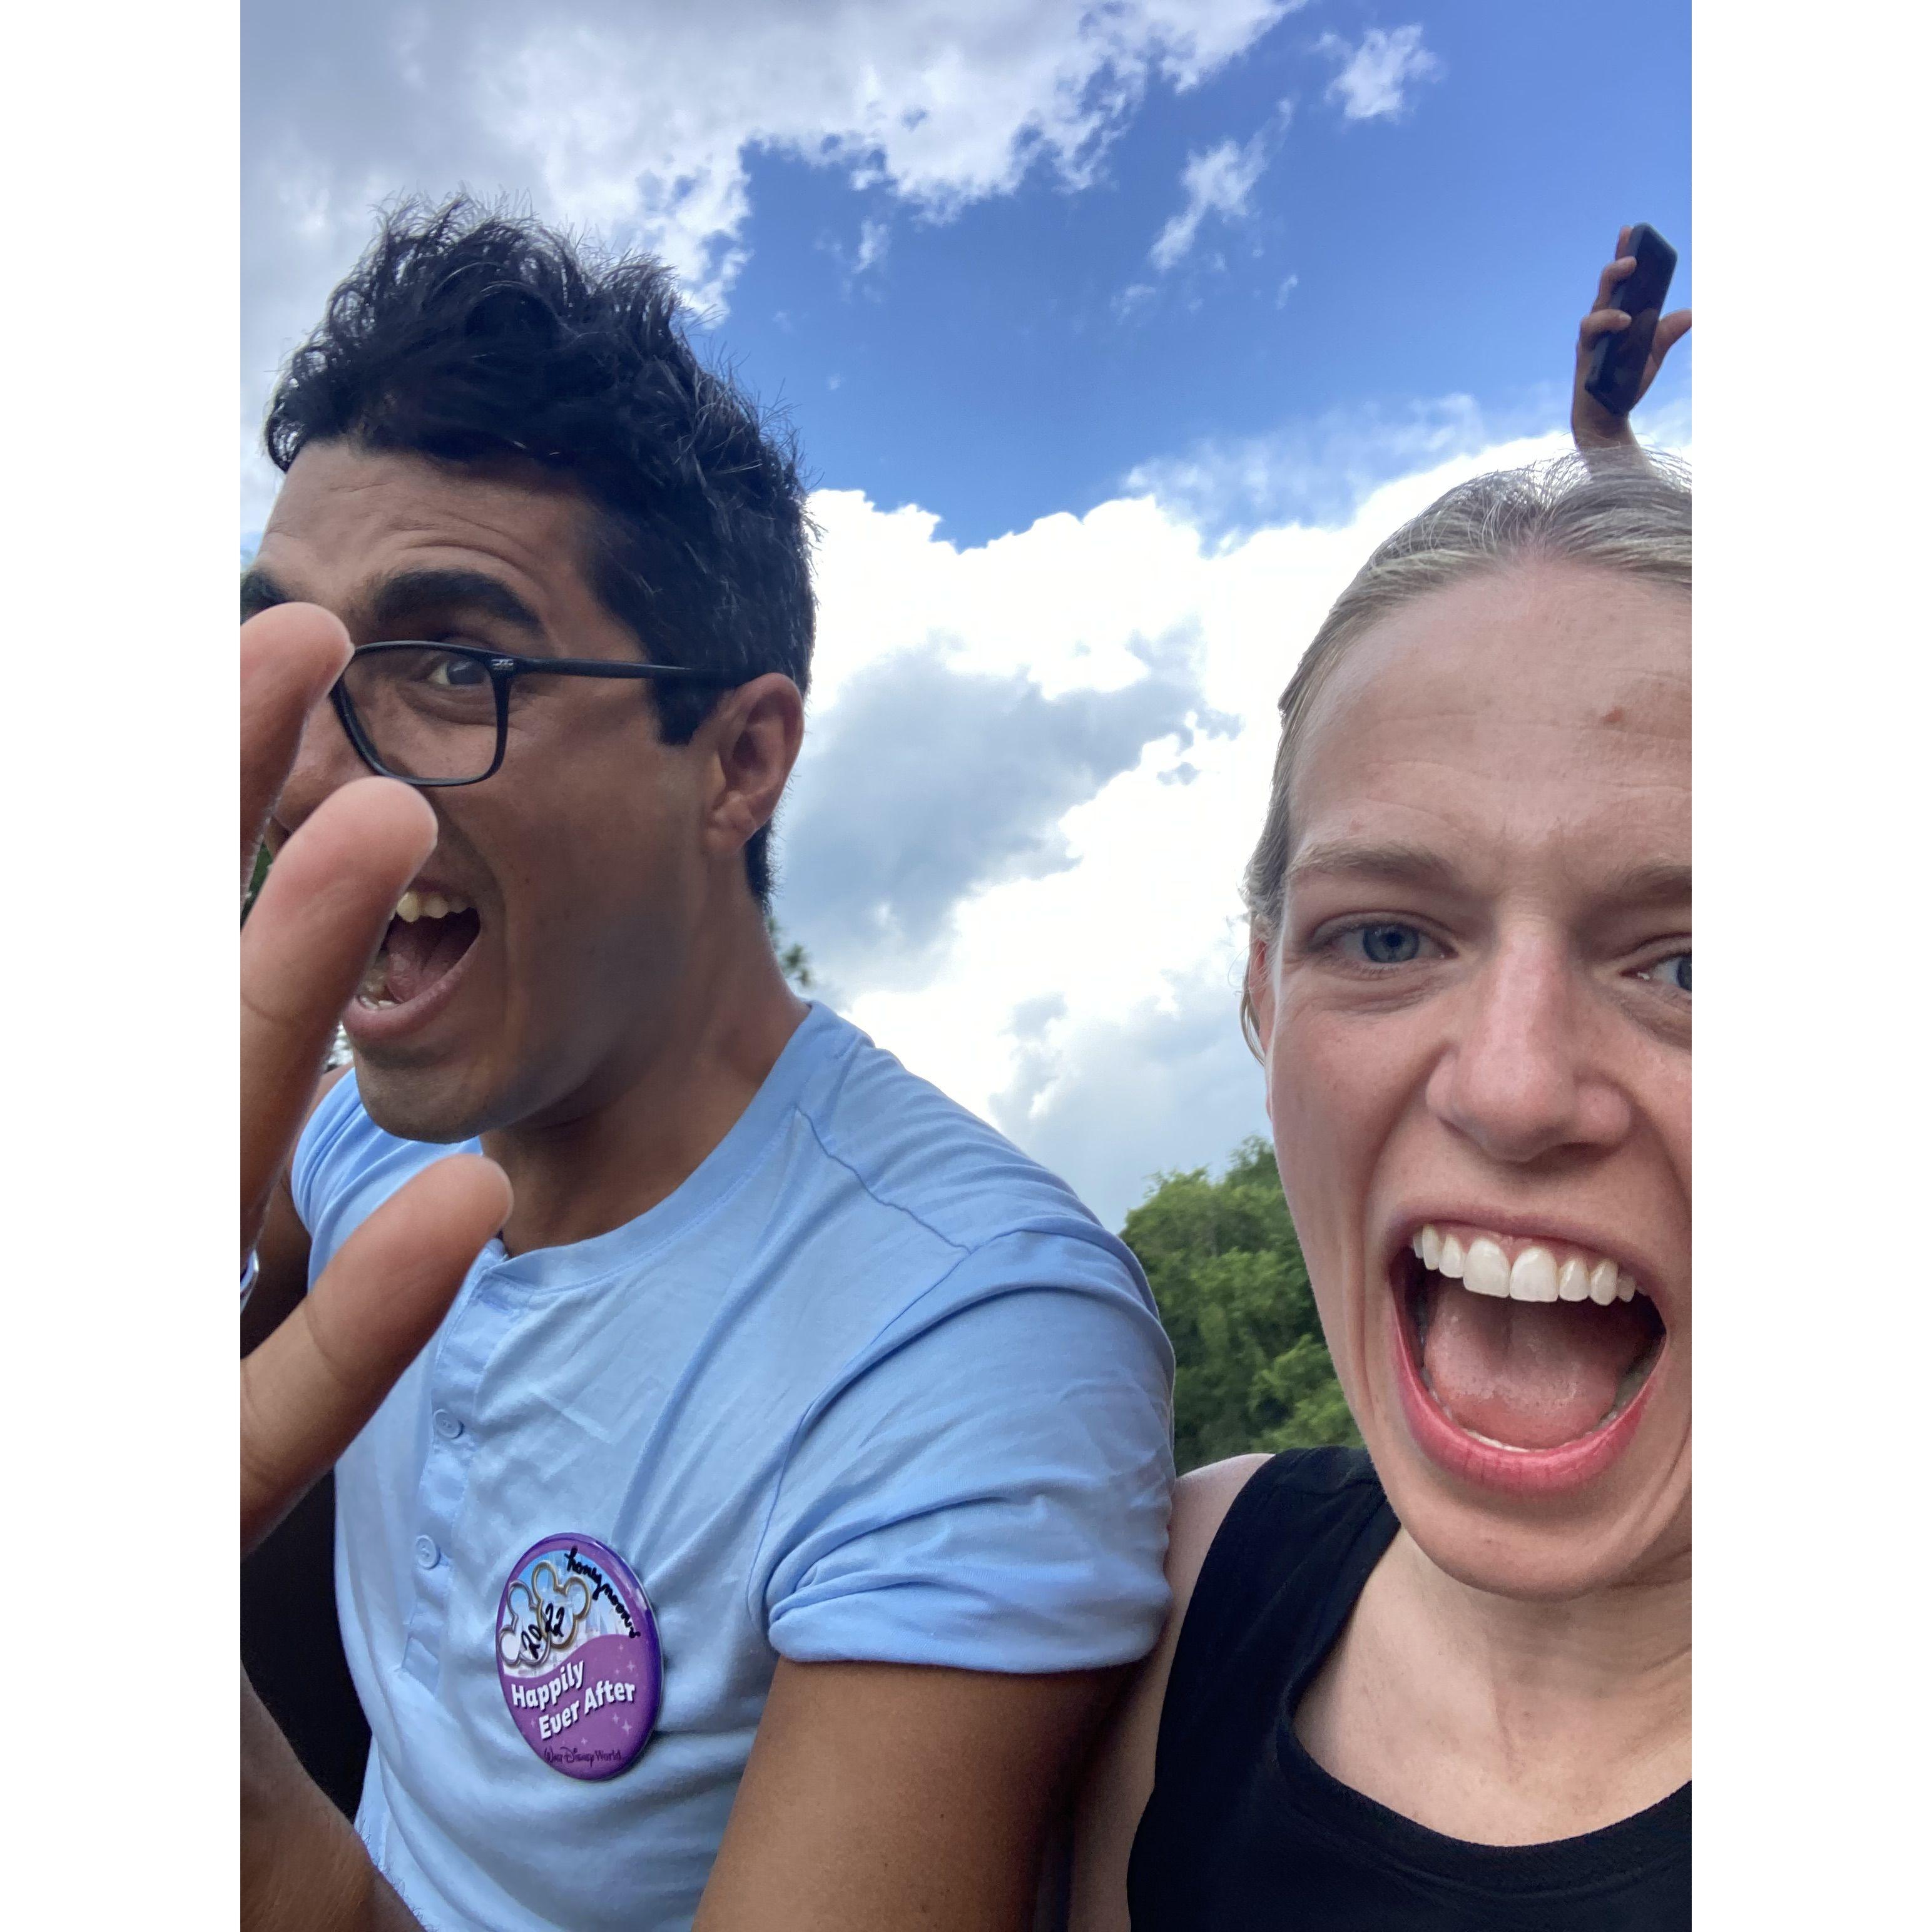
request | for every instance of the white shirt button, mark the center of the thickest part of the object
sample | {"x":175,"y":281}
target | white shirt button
{"x":447,"y":1426}
{"x":426,"y":1552}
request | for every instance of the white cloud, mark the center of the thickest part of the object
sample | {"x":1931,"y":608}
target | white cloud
{"x":1060,"y":949}
{"x":1317,"y":470}
{"x":874,"y":237}
{"x":856,"y":262}
{"x":1217,"y":182}
{"x":638,"y":120}
{"x":1370,"y":85}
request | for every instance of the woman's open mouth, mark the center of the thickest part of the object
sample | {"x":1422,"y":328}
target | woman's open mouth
{"x":1524,"y":1364}
{"x":417,"y":969}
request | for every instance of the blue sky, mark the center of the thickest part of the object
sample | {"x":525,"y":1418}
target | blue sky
{"x":1116,"y":333}
{"x":983,"y":368}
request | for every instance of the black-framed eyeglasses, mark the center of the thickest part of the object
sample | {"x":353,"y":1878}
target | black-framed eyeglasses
{"x":439,"y":714}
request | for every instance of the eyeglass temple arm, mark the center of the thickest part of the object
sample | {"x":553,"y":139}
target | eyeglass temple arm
{"x":604,"y":667}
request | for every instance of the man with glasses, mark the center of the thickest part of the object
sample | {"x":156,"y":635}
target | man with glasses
{"x":767,"y":1521}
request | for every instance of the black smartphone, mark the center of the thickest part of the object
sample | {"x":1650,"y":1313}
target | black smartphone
{"x":1616,"y":363}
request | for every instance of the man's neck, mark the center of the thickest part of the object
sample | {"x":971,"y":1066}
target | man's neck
{"x":594,"y":1166}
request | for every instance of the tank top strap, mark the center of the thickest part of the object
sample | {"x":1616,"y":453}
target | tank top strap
{"x":1282,"y":1574}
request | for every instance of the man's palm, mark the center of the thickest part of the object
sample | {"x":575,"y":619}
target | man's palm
{"x":319,"y":916}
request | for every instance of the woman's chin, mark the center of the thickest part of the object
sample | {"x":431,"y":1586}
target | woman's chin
{"x":1550,"y":1564}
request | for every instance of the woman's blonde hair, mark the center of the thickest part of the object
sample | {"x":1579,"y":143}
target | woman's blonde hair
{"x":1631,"y":516}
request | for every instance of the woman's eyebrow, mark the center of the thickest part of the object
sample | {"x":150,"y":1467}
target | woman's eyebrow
{"x":1662,"y":882}
{"x":1356,"y":859}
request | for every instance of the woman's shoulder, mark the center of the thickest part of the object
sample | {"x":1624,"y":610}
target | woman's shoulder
{"x":1256,"y":1492}
{"x":1202,"y":1499}
{"x":1120,"y":1775}
{"x":1224,"y":1495}
{"x":1254,"y":1536}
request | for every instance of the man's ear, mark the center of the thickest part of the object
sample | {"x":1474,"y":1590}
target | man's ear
{"x":752,"y":739}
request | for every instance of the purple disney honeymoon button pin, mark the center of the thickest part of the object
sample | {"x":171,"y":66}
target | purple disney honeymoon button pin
{"x":578,"y":1656}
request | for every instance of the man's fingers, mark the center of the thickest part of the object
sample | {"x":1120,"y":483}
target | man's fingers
{"x":309,"y":1388}
{"x":321,"y":914}
{"x":290,"y":656}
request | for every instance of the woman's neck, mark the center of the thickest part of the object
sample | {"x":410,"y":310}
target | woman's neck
{"x":1502,"y":1721}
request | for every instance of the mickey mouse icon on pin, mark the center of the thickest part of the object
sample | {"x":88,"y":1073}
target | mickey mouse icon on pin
{"x":578,"y":1657}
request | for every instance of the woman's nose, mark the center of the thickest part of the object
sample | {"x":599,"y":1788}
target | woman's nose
{"x":1519,"y":1079}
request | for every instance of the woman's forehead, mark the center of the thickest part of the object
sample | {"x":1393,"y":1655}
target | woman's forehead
{"x":1545,"y":694}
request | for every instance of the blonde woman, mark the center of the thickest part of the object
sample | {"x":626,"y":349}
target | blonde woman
{"x":1446,"y":1683}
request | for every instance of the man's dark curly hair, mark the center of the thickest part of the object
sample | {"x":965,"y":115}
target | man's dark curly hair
{"x":479,"y":336}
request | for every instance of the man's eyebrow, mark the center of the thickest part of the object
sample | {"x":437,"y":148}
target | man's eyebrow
{"x":1398,"y":865}
{"x":260,"y":592}
{"x":401,"y":600}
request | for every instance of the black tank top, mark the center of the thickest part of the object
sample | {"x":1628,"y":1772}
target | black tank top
{"x":1245,"y":1830}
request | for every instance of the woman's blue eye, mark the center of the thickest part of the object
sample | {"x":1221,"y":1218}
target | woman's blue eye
{"x":1386,"y":944}
{"x":1675,"y":971}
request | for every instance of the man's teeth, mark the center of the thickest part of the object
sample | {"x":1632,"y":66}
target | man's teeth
{"x":414,"y":905}
{"x":1534,"y":1275}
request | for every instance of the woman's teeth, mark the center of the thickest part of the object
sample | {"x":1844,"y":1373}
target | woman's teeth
{"x":1484,"y":1267}
{"x":415,"y":905}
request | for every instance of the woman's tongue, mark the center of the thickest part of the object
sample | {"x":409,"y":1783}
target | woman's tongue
{"x":1530,"y":1373}
{"x":417,"y":954}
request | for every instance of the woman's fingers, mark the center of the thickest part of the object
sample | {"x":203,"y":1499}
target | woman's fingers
{"x":321,"y":913}
{"x":290,"y":656}
{"x":1671,"y":330}
{"x":1614,"y":275}
{"x":309,"y":1388}
{"x":1600,"y":321}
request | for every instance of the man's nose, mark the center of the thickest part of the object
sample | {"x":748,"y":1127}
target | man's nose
{"x":1520,"y":1078}
{"x":325,"y":761}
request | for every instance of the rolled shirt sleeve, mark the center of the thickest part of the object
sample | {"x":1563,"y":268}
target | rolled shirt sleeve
{"x":986,"y":1487}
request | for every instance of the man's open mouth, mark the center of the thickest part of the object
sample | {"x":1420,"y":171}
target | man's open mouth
{"x":1526,"y":1346}
{"x":427,"y":940}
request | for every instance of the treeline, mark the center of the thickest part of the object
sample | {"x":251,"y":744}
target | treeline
{"x":1251,"y":1368}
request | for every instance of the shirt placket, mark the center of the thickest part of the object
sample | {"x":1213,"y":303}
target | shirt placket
{"x":471,"y":1337}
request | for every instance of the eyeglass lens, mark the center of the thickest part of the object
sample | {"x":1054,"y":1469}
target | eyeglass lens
{"x":427,"y":713}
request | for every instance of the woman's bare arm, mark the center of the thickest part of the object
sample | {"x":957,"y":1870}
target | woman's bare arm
{"x":1121,"y":1778}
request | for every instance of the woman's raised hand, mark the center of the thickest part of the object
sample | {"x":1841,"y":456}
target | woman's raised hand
{"x":1594,"y":426}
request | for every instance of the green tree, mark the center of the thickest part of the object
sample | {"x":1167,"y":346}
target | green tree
{"x":1251,"y":1368}
{"x":794,"y":962}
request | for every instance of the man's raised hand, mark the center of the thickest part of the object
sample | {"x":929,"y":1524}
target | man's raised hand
{"x":312,"y":1385}
{"x":314,"y":927}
